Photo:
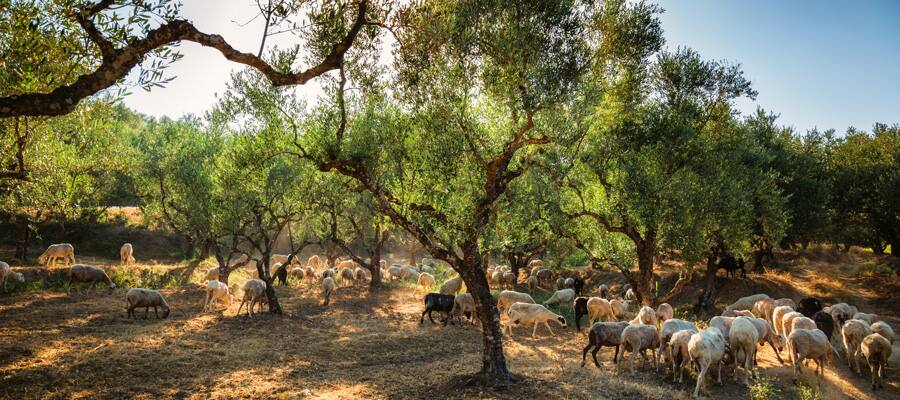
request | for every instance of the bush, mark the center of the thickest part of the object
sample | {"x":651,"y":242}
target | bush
{"x":765,"y":388}
{"x":807,"y":393}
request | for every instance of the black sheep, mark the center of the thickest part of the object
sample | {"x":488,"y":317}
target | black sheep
{"x":824,"y":322}
{"x":437,"y":302}
{"x":280,"y":274}
{"x":730,"y":265}
{"x":580,"y":310}
{"x":578,"y":286}
{"x":809,"y":306}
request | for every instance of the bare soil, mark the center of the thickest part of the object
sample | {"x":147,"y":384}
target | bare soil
{"x":371,"y":345}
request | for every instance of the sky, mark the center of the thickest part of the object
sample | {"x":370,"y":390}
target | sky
{"x":818,"y":64}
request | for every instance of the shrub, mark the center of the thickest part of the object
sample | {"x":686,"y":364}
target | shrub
{"x":765,"y":388}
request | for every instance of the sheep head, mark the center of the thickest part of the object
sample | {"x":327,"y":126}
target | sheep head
{"x":562,"y":321}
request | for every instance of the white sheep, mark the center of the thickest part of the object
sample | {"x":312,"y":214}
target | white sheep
{"x":535,"y":265}
{"x":212,"y":274}
{"x":746,"y":303}
{"x":525,"y":314}
{"x":669,"y":328}
{"x":637,"y":338}
{"x":784,"y":301}
{"x":882,"y":328}
{"x":81,"y":273}
{"x":7,"y":273}
{"x":870,"y":318}
{"x":877,"y":350}
{"x":803,"y":323}
{"x":723,"y":324}
{"x":426,"y":281}
{"x":452,"y":286}
{"x":646,"y":315}
{"x":217,"y":292}
{"x":329,"y":273}
{"x":679,"y":354}
{"x":787,"y":322}
{"x":126,"y":254}
{"x":599,"y":308}
{"x":841,"y":312}
{"x":809,"y":344}
{"x":664,"y":312}
{"x":509,"y":279}
{"x":562,"y":296}
{"x":254,"y":293}
{"x":464,"y":303}
{"x":310,"y":272}
{"x":621,"y":308}
{"x":509,"y":297}
{"x":763,"y":309}
{"x":737,"y":313}
{"x":706,"y":349}
{"x":630,"y":295}
{"x":743,"y":338}
{"x":64,"y":251}
{"x":327,"y":289}
{"x":854,"y":331}
{"x":138,"y":297}
{"x":313,"y":261}
{"x":396,"y":272}
{"x":777,"y":315}
{"x":768,"y":335}
{"x":297,"y":273}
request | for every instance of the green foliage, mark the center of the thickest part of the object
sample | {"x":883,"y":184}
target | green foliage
{"x":765,"y":388}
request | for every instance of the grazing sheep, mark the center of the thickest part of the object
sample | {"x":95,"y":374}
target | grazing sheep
{"x":767,"y":335}
{"x":545,"y":275}
{"x":254,"y":293}
{"x":841,"y":312}
{"x":126,"y":254}
{"x":746,"y":303}
{"x":706,"y":349}
{"x":560,"y":283}
{"x":347,"y":275}
{"x":824,"y":323}
{"x":598,"y":308}
{"x":509,"y":279}
{"x":217,"y":291}
{"x":882,"y":328}
{"x":603,"y":290}
{"x":743,"y":338}
{"x":534,"y":314}
{"x":870,"y":318}
{"x":313,"y":261}
{"x":464,"y":305}
{"x":438,"y":302}
{"x":877,"y":350}
{"x":803,"y":323}
{"x":138,"y":297}
{"x":763,"y":309}
{"x":787,"y":322}
{"x":535,"y":265}
{"x":81,"y":273}
{"x":396,"y":272}
{"x":679,"y":354}
{"x":577,"y":284}
{"x":426,"y":281}
{"x":664,"y":312}
{"x":854,"y":331}
{"x":533,"y":283}
{"x":580,"y":306}
{"x":603,"y":334}
{"x":723,"y":324}
{"x":621,"y":308}
{"x":509,"y":297}
{"x":452,"y":286}
{"x":212,"y":274}
{"x":809,"y":306}
{"x":646,"y":315}
{"x":328,"y":286}
{"x":7,"y":273}
{"x":310,"y":273}
{"x":561,"y":297}
{"x":328,"y":273}
{"x":630,"y":295}
{"x":737,"y":313}
{"x":669,"y":328}
{"x":297,"y":273}
{"x":777,"y":315}
{"x":494,"y":277}
{"x":64,"y":251}
{"x":809,"y":344}
{"x":637,"y":338}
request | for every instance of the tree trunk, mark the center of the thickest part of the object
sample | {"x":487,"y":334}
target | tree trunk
{"x":705,"y":302}
{"x":24,"y":238}
{"x":205,"y":248}
{"x":262,"y":269}
{"x":493,"y":369}
{"x":646,"y":256}
{"x":188,"y":246}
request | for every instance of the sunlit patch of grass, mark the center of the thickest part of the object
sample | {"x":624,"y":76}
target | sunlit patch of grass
{"x":765,"y":388}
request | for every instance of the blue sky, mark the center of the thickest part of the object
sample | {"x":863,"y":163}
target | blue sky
{"x":825,"y":64}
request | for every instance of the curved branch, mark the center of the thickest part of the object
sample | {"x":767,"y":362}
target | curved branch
{"x":118,"y":62}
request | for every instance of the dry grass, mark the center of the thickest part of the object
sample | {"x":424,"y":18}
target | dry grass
{"x":365,"y":345}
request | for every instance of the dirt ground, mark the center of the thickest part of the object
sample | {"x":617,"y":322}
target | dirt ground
{"x":364,"y":345}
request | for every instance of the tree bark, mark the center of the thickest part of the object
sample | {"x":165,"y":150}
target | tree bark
{"x":189,"y":244}
{"x":646,"y":257}
{"x":705,"y":302}
{"x":494,"y":371}
{"x":24,"y":238}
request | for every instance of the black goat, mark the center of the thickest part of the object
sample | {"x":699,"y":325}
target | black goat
{"x":824,"y":322}
{"x":809,"y":306}
{"x":280,"y":275}
{"x":731,"y":265}
{"x":580,"y":311}
{"x":437,"y":302}
{"x":578,"y":286}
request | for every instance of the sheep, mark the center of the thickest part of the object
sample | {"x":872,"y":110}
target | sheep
{"x":630,"y":295}
{"x":310,"y":273}
{"x":731,"y":266}
{"x":138,"y":297}
{"x":706,"y":349}
{"x":580,"y":305}
{"x":280,"y":274}
{"x":533,"y":283}
{"x":723,"y":324}
{"x":313,"y":261}
{"x":464,"y":304}
{"x":787,"y":322}
{"x":669,"y":328}
{"x":429,"y":261}
{"x":395,"y":272}
{"x":297,"y":273}
{"x":646,"y":315}
{"x":809,"y":344}
{"x":603,"y":290}
{"x":508,"y":279}
{"x":678,"y":349}
{"x":841,"y":312}
{"x":809,"y":306}
{"x":746,"y":303}
{"x":777,"y":315}
{"x":509,"y":297}
{"x":763,"y":309}
{"x":524,"y":313}
{"x":577,"y":284}
{"x":426,"y":281}
{"x":452,"y":286}
{"x":664,"y":312}
{"x":328,"y":273}
{"x":825,"y":323}
{"x":803,"y":323}
{"x":545,"y":275}
{"x":603,"y":334}
{"x":494,"y":277}
{"x":212,"y":274}
{"x":560,"y":283}
{"x":854,"y":331}
{"x":428,"y":269}
{"x":870,"y":318}
{"x":743,"y":338}
{"x":882,"y":328}
{"x":438,"y":302}
{"x":82,"y":273}
{"x":637,"y":338}
{"x":382,"y":264}
{"x":737,"y":313}
{"x":599,"y":308}
{"x":535,"y":265}
{"x":328,"y":286}
{"x":347,"y":275}
{"x":767,"y":335}
{"x":254,"y":293}
{"x":784,"y":301}
{"x":620,"y":308}
{"x":217,"y":291}
{"x":561,"y":297}
{"x":126,"y":254}
{"x":282,"y":259}
{"x":64,"y":251}
{"x":7,"y":273}
{"x":877,"y":350}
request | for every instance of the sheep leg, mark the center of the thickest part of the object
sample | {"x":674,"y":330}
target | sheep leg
{"x":631,"y":360}
{"x":240,"y":306}
{"x":429,"y":317}
{"x":421,"y":319}
{"x":250,"y":308}
{"x":146,"y":311}
{"x":777,"y":355}
{"x":660,"y":353}
{"x":700,"y":377}
{"x":156,"y":312}
{"x":584,"y":353}
{"x":615,"y":356}
{"x":548,"y":327}
{"x":534,"y":331}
